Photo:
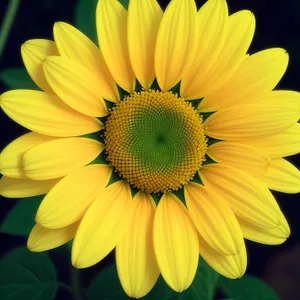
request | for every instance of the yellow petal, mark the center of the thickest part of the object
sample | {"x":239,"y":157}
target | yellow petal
{"x":267,"y":236}
{"x":75,"y":85}
{"x":242,"y":193}
{"x":33,"y":54}
{"x":212,"y":21}
{"x":11,"y":158}
{"x":136,"y":263}
{"x":176,"y":42}
{"x":42,"y":239}
{"x":240,"y":32}
{"x":19,"y":188}
{"x":282,"y":176}
{"x":231,"y":266}
{"x":256,"y":76}
{"x":289,"y":98}
{"x":285,"y":143}
{"x":70,"y":198}
{"x":275,"y":235}
{"x":73,"y":44}
{"x":240,"y":156}
{"x":46,"y":114}
{"x":104,"y":225}
{"x":175,"y":243}
{"x":111,"y":19}
{"x":143,"y":22}
{"x":213,"y":219}
{"x":60,"y":157}
{"x":245,"y":122}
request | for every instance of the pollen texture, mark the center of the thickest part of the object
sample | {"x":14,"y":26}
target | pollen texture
{"x":155,"y":140}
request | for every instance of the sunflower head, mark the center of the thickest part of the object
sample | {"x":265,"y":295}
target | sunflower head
{"x":194,"y":167}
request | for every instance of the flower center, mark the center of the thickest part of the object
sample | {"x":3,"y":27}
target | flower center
{"x":155,"y":140}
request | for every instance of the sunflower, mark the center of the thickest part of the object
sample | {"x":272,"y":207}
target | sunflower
{"x":162,"y":144}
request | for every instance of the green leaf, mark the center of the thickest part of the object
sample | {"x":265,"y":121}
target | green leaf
{"x":17,"y":78}
{"x":189,"y":294}
{"x":160,"y":291}
{"x":247,"y":288}
{"x":20,"y":219}
{"x":27,"y":276}
{"x":205,"y":282}
{"x":106,"y":286}
{"x":85,"y":18}
{"x":203,"y":286}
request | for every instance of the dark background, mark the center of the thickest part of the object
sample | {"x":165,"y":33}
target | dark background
{"x":278,"y":25}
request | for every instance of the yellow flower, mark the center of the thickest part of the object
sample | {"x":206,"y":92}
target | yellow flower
{"x":170,"y":170}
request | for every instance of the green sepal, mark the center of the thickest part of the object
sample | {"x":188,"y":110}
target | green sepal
{"x":138,"y":87}
{"x":100,"y":159}
{"x":206,"y":115}
{"x":197,"y":179}
{"x":208,"y":160}
{"x":180,"y":195}
{"x":134,"y":191}
{"x":109,"y":104}
{"x":122,"y":93}
{"x":93,"y":136}
{"x":125,"y":3}
{"x":114,"y":178}
{"x":195,"y":103}
{"x":155,"y":86}
{"x":156,"y":197}
{"x":176,"y":89}
{"x":212,"y":141}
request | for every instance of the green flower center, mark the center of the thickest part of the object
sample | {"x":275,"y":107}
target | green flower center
{"x":155,"y":141}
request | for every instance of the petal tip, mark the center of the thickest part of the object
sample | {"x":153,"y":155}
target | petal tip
{"x":32,"y":246}
{"x":285,"y":228}
{"x":33,"y":243}
{"x":77,"y":262}
{"x":41,"y":219}
{"x":27,"y":44}
{"x":236,"y":272}
{"x":59,"y":25}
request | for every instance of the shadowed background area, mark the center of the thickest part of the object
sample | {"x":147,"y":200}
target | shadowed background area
{"x":278,"y":25}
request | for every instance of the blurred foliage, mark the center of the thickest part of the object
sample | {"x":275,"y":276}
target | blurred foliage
{"x":27,"y":276}
{"x":20,"y":219}
{"x":247,"y":288}
{"x":85,"y":18}
{"x":17,"y":78}
{"x":107,"y":286}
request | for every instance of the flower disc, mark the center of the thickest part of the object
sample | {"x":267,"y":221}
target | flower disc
{"x":155,"y":140}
